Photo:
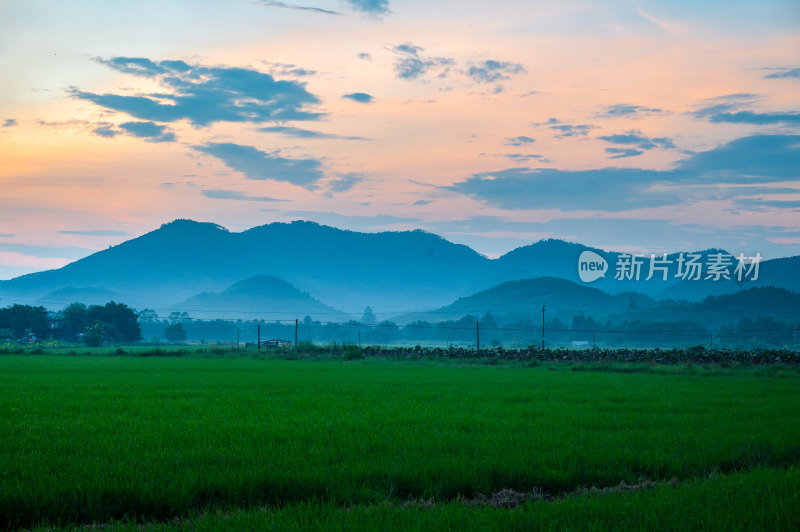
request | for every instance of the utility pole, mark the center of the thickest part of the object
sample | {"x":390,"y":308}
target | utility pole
{"x":478,"y":335}
{"x":594,"y":339}
{"x":237,"y":339}
{"x":359,"y":338}
{"x":295,"y":337}
{"x":543,"y":309}
{"x":258,"y":338}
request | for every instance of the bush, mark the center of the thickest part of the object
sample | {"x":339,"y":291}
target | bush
{"x":353,"y":352}
{"x":93,"y":337}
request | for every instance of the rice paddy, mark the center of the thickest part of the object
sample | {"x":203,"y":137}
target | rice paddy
{"x":246,"y":443}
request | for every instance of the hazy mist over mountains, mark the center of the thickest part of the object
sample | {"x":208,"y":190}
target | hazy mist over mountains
{"x":282,"y":271}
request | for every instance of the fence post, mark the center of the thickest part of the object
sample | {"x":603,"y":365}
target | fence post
{"x":543,"y":309}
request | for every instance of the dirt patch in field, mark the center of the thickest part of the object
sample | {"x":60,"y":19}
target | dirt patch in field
{"x":506,"y":498}
{"x":642,"y":484}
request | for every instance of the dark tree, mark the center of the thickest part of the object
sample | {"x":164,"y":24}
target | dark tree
{"x":24,"y":319}
{"x":488,"y":321}
{"x":123,"y":319}
{"x":76,"y":319}
{"x":175,"y":333}
{"x":582,"y":323}
{"x":369,"y":317}
{"x":384,"y":332}
{"x":148,"y":315}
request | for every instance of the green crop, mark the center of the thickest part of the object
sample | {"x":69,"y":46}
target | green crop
{"x":93,"y":439}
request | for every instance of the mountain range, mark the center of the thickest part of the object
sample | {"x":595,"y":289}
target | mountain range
{"x":324,"y":269}
{"x":515,"y":301}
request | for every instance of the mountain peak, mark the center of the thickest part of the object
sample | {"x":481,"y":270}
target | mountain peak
{"x":183,"y":224}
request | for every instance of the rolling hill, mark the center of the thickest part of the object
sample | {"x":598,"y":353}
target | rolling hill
{"x":262,"y":296}
{"x":523,"y":300}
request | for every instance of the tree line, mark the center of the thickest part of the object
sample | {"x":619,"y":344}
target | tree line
{"x":118,"y":323}
{"x":94,"y":324}
{"x":581,"y":331}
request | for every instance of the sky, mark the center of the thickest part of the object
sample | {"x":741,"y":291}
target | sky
{"x":635,"y":126}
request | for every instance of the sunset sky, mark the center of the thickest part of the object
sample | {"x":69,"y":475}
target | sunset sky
{"x":637,"y":126}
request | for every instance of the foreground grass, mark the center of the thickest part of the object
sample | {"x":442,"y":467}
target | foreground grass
{"x":93,"y":439}
{"x":762,"y":499}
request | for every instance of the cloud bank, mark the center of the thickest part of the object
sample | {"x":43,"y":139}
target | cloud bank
{"x":205,"y":95}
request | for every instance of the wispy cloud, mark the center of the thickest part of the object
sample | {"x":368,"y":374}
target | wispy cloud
{"x":724,"y":104}
{"x":204,"y":95}
{"x":652,"y":18}
{"x":492,"y":71}
{"x":524,"y":157}
{"x":10,"y":122}
{"x":94,"y":232}
{"x":150,"y":131}
{"x":370,"y":7}
{"x":732,"y":109}
{"x":609,"y":189}
{"x":344,"y":183}
{"x":563,"y":129}
{"x":728,"y":171}
{"x":47,"y":252}
{"x":636,"y":138}
{"x":360,"y":97}
{"x":519,"y":141}
{"x":629,"y":111}
{"x":260,"y":165}
{"x":620,"y":153}
{"x":412,"y":64}
{"x":288,"y":69}
{"x":783,"y":73}
{"x":284,"y":5}
{"x":749,"y":117}
{"x":290,"y":131}
{"x":73,"y":122}
{"x":235,"y":195}
{"x":106,"y":130}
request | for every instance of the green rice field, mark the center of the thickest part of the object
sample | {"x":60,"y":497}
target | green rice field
{"x":247,"y":444}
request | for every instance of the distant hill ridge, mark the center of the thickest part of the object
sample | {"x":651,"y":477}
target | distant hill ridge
{"x":263,"y":297}
{"x":523,"y":300}
{"x":393,"y":272}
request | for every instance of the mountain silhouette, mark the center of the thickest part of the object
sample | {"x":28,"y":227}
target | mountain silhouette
{"x":524,"y":299}
{"x":393,"y":272}
{"x":263,"y":297}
